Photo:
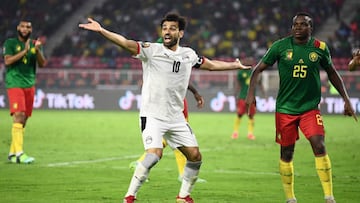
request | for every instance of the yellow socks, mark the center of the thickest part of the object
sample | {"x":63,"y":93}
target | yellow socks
{"x":180,"y":161}
{"x":237,"y":123}
{"x":287,"y":178}
{"x":251,"y":126}
{"x":17,"y":133}
{"x":323,"y":168}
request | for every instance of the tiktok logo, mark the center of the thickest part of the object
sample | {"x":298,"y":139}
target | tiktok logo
{"x":217,"y":104}
{"x":126,"y":102}
{"x":63,"y":101}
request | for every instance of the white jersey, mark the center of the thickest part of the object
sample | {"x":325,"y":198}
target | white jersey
{"x":166,"y":76}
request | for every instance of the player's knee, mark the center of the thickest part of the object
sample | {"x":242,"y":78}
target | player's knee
{"x":195,"y":157}
{"x":287,"y":153}
{"x":19,"y":117}
{"x":319,"y":149}
{"x":318,"y":145}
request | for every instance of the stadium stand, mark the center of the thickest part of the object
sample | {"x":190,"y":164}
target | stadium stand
{"x":216,"y":28}
{"x":46,"y":16}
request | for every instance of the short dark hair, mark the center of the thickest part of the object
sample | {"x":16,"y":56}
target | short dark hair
{"x":175,"y":18}
{"x":25,"y":18}
{"x":307,"y":15}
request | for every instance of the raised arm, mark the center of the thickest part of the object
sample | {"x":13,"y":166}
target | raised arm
{"x":129,"y":45}
{"x":216,"y":65}
{"x":40,"y":58}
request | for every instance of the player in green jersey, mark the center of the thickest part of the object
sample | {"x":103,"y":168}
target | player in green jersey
{"x":242,"y":85}
{"x":21,"y":56}
{"x":299,"y":59}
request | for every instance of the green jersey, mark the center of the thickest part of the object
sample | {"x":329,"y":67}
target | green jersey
{"x":22,"y":73}
{"x":243,"y":77}
{"x":299,"y":67}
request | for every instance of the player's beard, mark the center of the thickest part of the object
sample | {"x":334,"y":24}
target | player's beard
{"x":25,"y":37}
{"x":172,"y":43}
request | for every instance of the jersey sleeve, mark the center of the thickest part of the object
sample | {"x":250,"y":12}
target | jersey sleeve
{"x":271,"y":55}
{"x":326,"y":61}
{"x":8,"y":48}
{"x":200,"y":60}
{"x":144,"y":50}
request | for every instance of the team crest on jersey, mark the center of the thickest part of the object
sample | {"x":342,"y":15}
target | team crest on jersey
{"x":289,"y":54}
{"x":313,"y":56}
{"x":18,"y":48}
{"x":145,"y":44}
{"x":148,"y":140}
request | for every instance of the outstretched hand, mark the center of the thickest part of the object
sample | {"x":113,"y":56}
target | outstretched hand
{"x":91,"y":25}
{"x":242,"y":66}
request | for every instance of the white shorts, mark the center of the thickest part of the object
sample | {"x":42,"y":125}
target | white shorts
{"x":177,"y":133}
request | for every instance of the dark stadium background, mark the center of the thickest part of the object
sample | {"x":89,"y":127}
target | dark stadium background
{"x":82,"y":63}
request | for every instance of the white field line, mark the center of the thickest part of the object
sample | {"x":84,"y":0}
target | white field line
{"x":72,"y":163}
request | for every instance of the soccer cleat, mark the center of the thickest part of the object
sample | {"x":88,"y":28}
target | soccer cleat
{"x":12,"y":158}
{"x":330,"y":200}
{"x":24,"y":159}
{"x":291,"y":201}
{"x":129,"y":199}
{"x":200,"y":180}
{"x":250,"y":136}
{"x":186,"y":199}
{"x":235,"y":135}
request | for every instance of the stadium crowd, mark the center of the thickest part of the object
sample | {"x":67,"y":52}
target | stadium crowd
{"x":217,"y":29}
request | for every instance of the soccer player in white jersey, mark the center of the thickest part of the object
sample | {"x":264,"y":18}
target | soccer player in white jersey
{"x":166,"y":73}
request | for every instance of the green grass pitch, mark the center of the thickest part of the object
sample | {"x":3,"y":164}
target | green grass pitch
{"x":83,"y":157}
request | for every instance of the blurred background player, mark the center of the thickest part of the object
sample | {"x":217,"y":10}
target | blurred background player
{"x":241,"y":88}
{"x":179,"y":157}
{"x":21,"y":56}
{"x":299,"y":58}
{"x":355,"y":61}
